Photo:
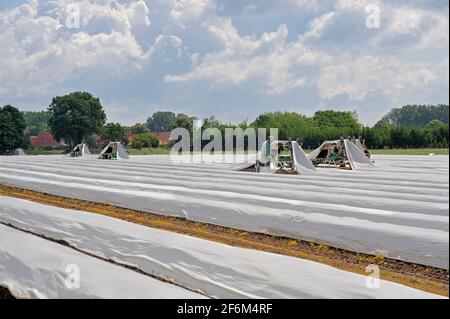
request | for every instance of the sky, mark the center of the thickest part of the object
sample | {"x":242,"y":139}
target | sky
{"x":234,"y":59}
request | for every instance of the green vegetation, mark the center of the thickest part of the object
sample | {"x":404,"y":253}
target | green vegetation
{"x":12,"y":129}
{"x":149,"y":151}
{"x":145,"y":140}
{"x":311,"y":131}
{"x":139,"y":128}
{"x":328,"y":125}
{"x":166,"y":121}
{"x":114,"y":132}
{"x":75,"y":116}
{"x":406,"y":137}
{"x":415,"y":115}
{"x":37,"y":122}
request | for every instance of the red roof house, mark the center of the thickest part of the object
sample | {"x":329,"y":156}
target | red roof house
{"x":44,"y":140}
{"x":163,"y":137}
{"x":131,"y":137}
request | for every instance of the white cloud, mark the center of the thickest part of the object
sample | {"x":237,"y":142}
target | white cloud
{"x":318,"y":26}
{"x":406,"y":21}
{"x":164,"y":41}
{"x":279,"y":53}
{"x":138,"y":13}
{"x":355,"y":5}
{"x":391,"y":76}
{"x":415,"y":27}
{"x":401,"y":25}
{"x":38,"y":52}
{"x":102,"y":13}
{"x":282,"y":65}
{"x":313,"y":5}
{"x":246,"y":57}
{"x":184,"y":11}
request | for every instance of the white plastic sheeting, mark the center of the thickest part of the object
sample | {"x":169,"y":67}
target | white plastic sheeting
{"x":356,"y":156}
{"x":121,"y":151}
{"x":302,"y":163}
{"x":399,"y":207}
{"x":316,"y":152}
{"x":32,"y":267}
{"x":82,"y":150}
{"x":217,"y":270}
{"x":85,"y":150}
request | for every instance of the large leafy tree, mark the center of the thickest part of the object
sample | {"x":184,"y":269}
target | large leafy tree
{"x":75,"y":116}
{"x":289,"y":124}
{"x":162,"y":121}
{"x":336,"y":119}
{"x":12,"y":128}
{"x":114,"y":132}
{"x":37,"y":122}
{"x":184,"y":122}
{"x":145,"y":140}
{"x":139,"y":128}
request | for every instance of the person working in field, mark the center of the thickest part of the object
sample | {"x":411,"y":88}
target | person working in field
{"x":76,"y":151}
{"x":108,"y":154}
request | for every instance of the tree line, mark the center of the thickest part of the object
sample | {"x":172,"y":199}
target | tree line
{"x":79,"y":117}
{"x":415,"y":115}
{"x":331,"y":125}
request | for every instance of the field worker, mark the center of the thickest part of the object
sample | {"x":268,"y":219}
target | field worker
{"x":266,"y":150}
{"x":265,"y":153}
{"x":108,"y":153}
{"x":76,"y":152}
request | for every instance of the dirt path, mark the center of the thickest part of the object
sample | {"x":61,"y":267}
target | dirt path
{"x":421,"y":277}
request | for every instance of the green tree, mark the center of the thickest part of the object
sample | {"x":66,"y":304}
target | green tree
{"x":311,"y":132}
{"x":75,"y":116}
{"x":139,"y":128}
{"x":211,"y":122}
{"x":12,"y":129}
{"x":336,"y":119}
{"x":416,"y":115}
{"x":36,"y":122}
{"x":376,"y":138}
{"x":91,"y":141}
{"x":289,"y":124}
{"x":114,"y":132}
{"x":184,"y":122}
{"x":162,"y":121}
{"x":399,"y":137}
{"x":439,"y":133}
{"x":436,"y":124}
{"x":145,"y":140}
